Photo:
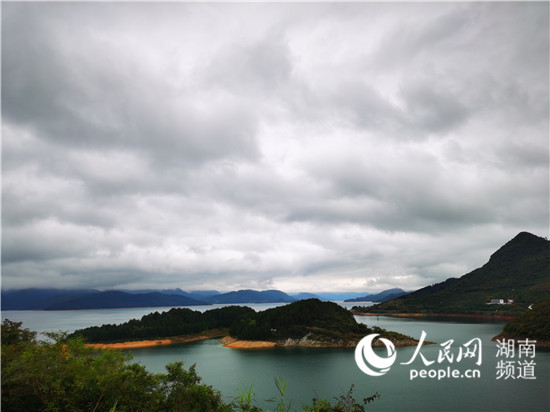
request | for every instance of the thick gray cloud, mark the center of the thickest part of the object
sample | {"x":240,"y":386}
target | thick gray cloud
{"x":305,"y":147}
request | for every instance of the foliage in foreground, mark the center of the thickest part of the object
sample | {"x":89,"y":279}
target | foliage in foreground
{"x":68,"y":376}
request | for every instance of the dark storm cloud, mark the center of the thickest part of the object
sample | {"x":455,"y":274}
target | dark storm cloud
{"x":350,"y":146}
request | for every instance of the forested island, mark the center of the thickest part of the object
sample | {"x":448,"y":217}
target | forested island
{"x":308,"y":322}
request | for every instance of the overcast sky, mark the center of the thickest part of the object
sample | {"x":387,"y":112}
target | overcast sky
{"x":303,"y":147}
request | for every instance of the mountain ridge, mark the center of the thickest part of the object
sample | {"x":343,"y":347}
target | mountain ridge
{"x":72,"y":299}
{"x":117,"y":300}
{"x":519,"y":271}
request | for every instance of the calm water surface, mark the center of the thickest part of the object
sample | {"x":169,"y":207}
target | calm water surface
{"x":326,"y":373}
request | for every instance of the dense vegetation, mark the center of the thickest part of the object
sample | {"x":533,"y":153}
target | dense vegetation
{"x":322,"y":320}
{"x":175,"y":322}
{"x":318,"y":321}
{"x":68,"y":376}
{"x":520,"y":270}
{"x":532,"y":324}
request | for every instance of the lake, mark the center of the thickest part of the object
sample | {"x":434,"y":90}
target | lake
{"x":324,"y":373}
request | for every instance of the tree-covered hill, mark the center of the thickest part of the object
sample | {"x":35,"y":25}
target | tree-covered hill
{"x":175,"y":322}
{"x":307,"y":322}
{"x":519,"y":270}
{"x":323,"y":320}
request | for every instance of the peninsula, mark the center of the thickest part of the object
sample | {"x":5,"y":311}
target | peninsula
{"x":307,"y":323}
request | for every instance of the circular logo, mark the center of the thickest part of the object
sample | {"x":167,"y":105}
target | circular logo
{"x":368,"y":361}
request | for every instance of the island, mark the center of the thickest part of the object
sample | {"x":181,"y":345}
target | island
{"x":305,"y":323}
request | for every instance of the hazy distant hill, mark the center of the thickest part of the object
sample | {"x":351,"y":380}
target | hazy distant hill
{"x":116,"y":299}
{"x":195,"y":294}
{"x":251,"y":296}
{"x":384,"y":296}
{"x":519,"y":270}
{"x":64,"y":299}
{"x":60,"y":299}
{"x":38,"y":299}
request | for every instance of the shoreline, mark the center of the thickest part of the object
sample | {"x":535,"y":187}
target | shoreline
{"x":305,"y":342}
{"x":230,"y":342}
{"x":234,"y":343}
{"x":436,"y":315}
{"x":146,"y":343}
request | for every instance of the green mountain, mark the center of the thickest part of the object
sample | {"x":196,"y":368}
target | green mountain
{"x":519,"y":270}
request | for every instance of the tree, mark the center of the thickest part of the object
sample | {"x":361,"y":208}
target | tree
{"x":68,"y":376}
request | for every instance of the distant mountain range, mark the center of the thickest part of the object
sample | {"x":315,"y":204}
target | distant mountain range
{"x":116,"y":299}
{"x":517,"y":274}
{"x":380,"y":297}
{"x":62,"y":299}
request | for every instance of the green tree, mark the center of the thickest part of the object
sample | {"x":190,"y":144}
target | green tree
{"x":68,"y":376}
